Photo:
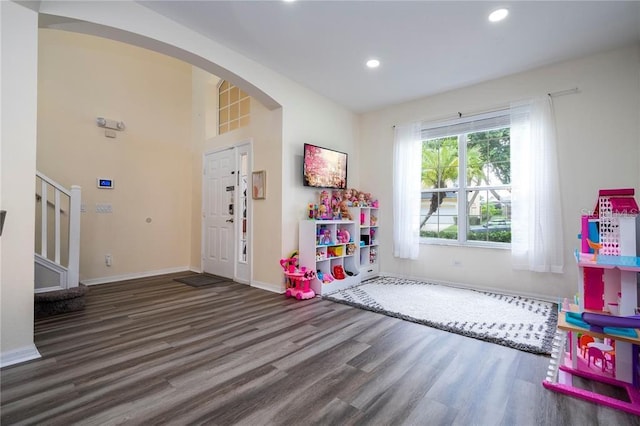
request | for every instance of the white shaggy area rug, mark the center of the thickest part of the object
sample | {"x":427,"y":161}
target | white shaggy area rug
{"x":517,"y":322}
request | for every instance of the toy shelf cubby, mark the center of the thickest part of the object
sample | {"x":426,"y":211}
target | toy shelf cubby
{"x":367,"y":218}
{"x":322,"y":246}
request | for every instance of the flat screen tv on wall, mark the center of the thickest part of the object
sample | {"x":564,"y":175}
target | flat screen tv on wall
{"x":324,"y":168}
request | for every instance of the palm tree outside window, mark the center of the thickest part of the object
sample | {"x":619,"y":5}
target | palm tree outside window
{"x":466,"y":182}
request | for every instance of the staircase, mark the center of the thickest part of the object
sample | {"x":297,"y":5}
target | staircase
{"x":57,"y":245}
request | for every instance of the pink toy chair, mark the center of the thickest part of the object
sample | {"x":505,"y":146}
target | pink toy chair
{"x":585,"y":339}
{"x":611,"y":359}
{"x":610,"y":356}
{"x":596,"y":354}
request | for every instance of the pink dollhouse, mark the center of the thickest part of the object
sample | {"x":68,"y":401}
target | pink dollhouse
{"x":598,"y":336}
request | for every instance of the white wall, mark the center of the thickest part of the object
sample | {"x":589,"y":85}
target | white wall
{"x":317,"y":121}
{"x":19,"y":47}
{"x":599,"y":140}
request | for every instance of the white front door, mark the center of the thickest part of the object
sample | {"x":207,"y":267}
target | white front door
{"x":219,"y":208}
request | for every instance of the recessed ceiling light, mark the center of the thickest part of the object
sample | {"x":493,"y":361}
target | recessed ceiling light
{"x":498,"y":15}
{"x":373,"y":63}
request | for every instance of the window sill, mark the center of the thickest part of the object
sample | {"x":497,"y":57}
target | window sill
{"x":472,"y":244}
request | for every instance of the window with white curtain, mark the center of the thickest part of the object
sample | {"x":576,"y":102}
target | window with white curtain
{"x":466,"y":181}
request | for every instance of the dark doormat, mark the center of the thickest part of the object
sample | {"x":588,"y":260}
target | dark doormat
{"x":202,"y":280}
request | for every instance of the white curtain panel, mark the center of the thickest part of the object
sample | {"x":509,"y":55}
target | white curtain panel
{"x":536,"y":217}
{"x":407,"y":166}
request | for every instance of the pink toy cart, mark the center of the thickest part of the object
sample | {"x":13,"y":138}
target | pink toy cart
{"x":300,"y":284}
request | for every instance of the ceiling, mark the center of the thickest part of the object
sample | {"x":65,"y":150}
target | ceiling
{"x":425,"y":47}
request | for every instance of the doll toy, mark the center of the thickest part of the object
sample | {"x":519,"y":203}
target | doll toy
{"x":367,"y":199}
{"x":322,"y":212}
{"x":325,"y":236}
{"x":354,"y":197}
{"x":361,"y":201}
{"x":325,"y":200}
{"x":344,"y":211}
{"x":336,"y":213}
{"x":346,"y":196}
{"x":336,"y":197}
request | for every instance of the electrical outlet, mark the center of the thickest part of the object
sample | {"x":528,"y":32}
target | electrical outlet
{"x":108,"y":259}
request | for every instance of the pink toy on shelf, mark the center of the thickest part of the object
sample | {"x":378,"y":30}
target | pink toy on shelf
{"x":343,"y":236}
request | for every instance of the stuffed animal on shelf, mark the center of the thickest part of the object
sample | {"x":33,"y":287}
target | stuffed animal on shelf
{"x":351,"y":249}
{"x":373,"y":255}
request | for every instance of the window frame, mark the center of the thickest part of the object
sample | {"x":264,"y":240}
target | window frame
{"x":461,"y":128}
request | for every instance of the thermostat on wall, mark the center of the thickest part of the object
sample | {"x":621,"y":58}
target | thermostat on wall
{"x":105,"y":183}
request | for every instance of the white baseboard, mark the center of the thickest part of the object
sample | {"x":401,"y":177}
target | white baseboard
{"x":19,"y":355}
{"x":267,"y":286}
{"x":475,"y":287}
{"x":114,"y":278}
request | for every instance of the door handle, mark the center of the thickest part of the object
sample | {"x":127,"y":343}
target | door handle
{"x":230,"y":220}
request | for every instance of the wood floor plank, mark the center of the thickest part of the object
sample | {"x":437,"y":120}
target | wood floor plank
{"x":156,"y":351}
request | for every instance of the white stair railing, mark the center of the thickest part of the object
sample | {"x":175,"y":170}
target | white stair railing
{"x":51,"y":214}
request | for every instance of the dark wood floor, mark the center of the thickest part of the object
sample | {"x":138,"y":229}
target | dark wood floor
{"x":155,"y":351}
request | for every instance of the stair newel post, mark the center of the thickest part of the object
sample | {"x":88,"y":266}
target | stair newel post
{"x":43,"y":227}
{"x":73,"y":277}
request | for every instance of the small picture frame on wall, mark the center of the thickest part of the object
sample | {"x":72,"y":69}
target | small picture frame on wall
{"x":259,"y":185}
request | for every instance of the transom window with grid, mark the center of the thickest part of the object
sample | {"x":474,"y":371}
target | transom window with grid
{"x":234,"y":107}
{"x":466,"y":181}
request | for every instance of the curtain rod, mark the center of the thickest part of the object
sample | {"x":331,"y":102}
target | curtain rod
{"x":565,"y":92}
